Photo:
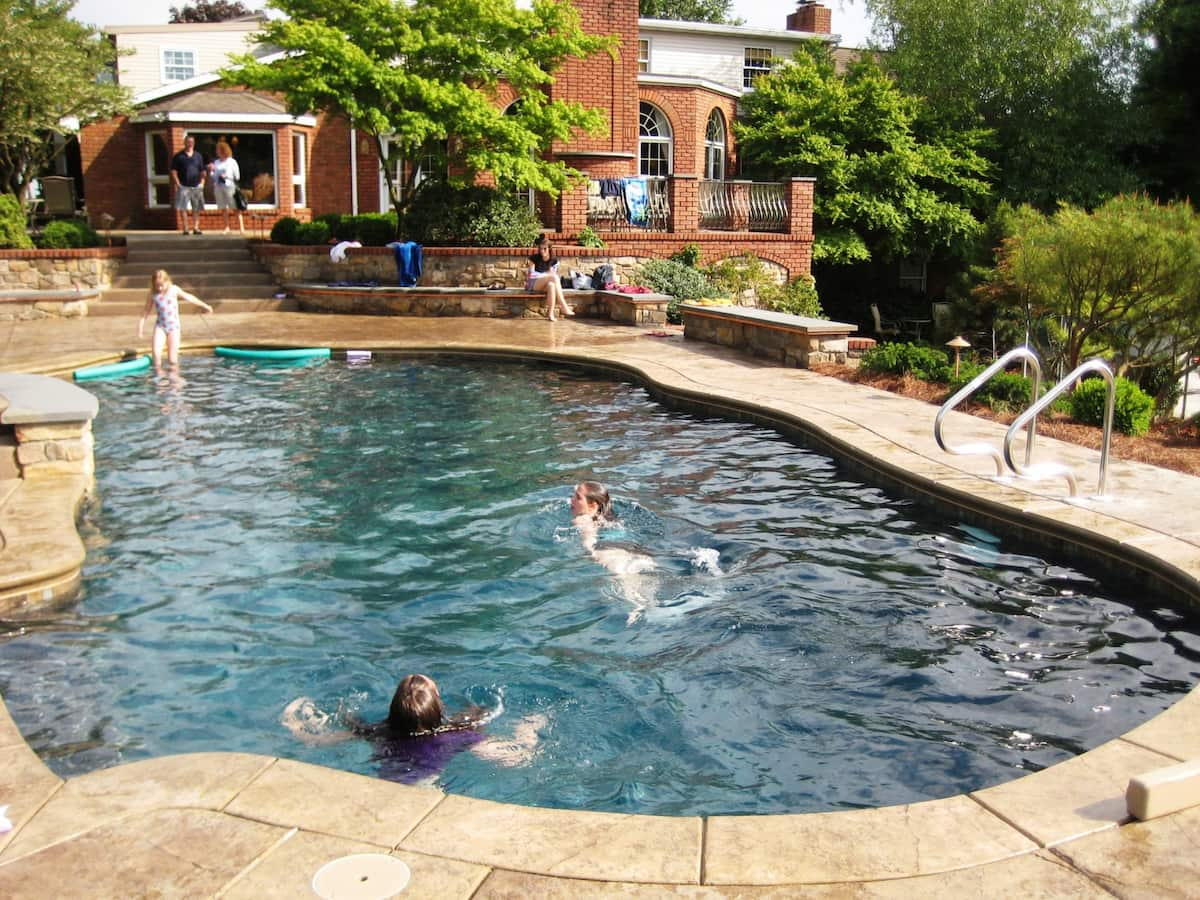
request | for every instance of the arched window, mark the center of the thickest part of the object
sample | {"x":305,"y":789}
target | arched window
{"x":714,"y":147}
{"x":654,"y":141}
{"x":524,"y":195}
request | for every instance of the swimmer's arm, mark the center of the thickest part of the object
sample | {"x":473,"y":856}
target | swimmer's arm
{"x":309,"y":724}
{"x":515,"y":750}
{"x":193,"y":299}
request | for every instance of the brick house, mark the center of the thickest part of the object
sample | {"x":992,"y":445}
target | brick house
{"x":670,"y":94}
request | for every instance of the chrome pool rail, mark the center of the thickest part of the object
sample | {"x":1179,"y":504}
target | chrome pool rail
{"x":982,"y":449}
{"x":1048,"y":470}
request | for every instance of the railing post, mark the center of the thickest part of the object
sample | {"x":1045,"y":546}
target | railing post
{"x":800,"y":207}
{"x":739,"y":199}
{"x":683,"y":195}
{"x":572,"y":208}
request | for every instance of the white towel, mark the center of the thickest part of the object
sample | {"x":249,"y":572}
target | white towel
{"x":338,"y":251}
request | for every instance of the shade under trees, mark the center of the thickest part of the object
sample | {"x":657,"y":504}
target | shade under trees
{"x":55,"y":76}
{"x":416,"y":76}
{"x":887,"y":184}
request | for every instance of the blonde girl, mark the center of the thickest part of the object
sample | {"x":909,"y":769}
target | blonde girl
{"x":164,"y":300}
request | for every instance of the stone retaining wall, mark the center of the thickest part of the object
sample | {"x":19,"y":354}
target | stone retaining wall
{"x":56,"y":270}
{"x":45,"y":427}
{"x":791,"y":340}
{"x":37,"y":304}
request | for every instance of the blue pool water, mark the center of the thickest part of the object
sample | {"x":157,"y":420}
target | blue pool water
{"x":807,"y":643}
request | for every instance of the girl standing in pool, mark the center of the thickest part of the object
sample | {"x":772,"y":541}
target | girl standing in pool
{"x":164,"y":301}
{"x":417,"y":739}
{"x":543,"y":276}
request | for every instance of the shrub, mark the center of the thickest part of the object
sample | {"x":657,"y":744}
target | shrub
{"x":1004,"y":391}
{"x":669,"y":276}
{"x":689,"y":255}
{"x":1160,"y":382}
{"x":316,"y":232}
{"x":371,"y":229}
{"x":1132,"y":407}
{"x":12,"y":223}
{"x":441,"y":213}
{"x":926,"y":363}
{"x":798,"y":297}
{"x":589,"y":238}
{"x":68,"y":234}
{"x":284,"y":231}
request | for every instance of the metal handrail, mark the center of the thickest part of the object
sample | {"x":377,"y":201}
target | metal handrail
{"x":1030,"y":415}
{"x":973,"y":385}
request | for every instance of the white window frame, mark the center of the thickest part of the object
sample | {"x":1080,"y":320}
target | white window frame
{"x":385,"y":200}
{"x":912,"y":274}
{"x":151,"y":178}
{"x":643,"y":55}
{"x":666,"y":138}
{"x":714,"y":150}
{"x":299,"y":169}
{"x":756,"y":61}
{"x":164,"y":65}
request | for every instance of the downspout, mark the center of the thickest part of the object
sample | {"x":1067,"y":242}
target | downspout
{"x":354,"y":171}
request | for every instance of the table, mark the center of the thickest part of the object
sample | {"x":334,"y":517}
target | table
{"x":914,"y":324}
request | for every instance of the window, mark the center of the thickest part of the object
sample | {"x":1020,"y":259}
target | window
{"x":912,"y":274}
{"x":433,"y":161}
{"x":255,"y":155}
{"x":714,"y":147}
{"x":643,"y":55}
{"x":158,"y":169}
{"x":757,"y":61}
{"x":178,"y":65}
{"x":299,"y":170}
{"x":525,"y":195}
{"x":654,"y":141}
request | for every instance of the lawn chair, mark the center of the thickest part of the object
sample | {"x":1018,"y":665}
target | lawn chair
{"x":58,"y":194}
{"x":884,"y":327}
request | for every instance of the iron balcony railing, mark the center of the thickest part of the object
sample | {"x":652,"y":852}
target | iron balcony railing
{"x":743,"y":206}
{"x":616,"y":205}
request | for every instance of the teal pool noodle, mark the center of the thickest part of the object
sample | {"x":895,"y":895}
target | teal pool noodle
{"x":113,"y":370}
{"x":293,"y":353}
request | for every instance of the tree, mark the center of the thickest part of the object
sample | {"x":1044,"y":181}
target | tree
{"x":1122,"y":282}
{"x":414,"y":76}
{"x":715,"y":11}
{"x":1050,"y":80}
{"x":886,"y":184}
{"x":209,"y":11}
{"x":1168,"y":91}
{"x":52,"y":72}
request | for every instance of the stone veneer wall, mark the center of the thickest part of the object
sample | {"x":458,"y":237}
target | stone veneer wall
{"x":57,"y":270}
{"x":45,"y":428}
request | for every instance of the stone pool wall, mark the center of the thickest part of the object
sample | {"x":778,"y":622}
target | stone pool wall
{"x":56,"y":270}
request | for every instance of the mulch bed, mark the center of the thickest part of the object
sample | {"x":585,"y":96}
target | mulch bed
{"x":1172,"y":444}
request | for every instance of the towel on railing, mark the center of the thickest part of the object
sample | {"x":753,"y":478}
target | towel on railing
{"x":610,"y":187}
{"x":408,"y":261}
{"x":636,"y":199}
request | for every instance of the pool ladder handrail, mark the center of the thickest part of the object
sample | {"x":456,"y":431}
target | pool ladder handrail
{"x":1046,"y":470}
{"x":982,"y":449}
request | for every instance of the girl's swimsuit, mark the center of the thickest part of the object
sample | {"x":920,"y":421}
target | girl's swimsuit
{"x":167,"y":305}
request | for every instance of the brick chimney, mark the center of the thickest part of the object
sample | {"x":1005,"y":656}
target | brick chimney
{"x":810,"y":16}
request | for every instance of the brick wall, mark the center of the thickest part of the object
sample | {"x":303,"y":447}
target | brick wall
{"x":113,"y":156}
{"x":810,"y":17}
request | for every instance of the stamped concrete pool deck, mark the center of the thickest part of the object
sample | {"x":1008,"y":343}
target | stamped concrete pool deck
{"x":237,"y":825}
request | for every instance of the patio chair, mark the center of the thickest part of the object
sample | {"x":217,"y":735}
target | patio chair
{"x":884,"y":327}
{"x":58,"y":194}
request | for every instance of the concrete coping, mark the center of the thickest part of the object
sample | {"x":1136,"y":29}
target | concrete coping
{"x":40,"y":400}
{"x":804,"y":324}
{"x":308,"y":287}
{"x":25,"y":295}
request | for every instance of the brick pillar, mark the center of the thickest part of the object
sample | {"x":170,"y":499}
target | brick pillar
{"x":572,"y":208}
{"x":683,"y":195}
{"x":739,"y":197}
{"x":800,"y":208}
{"x":811,"y":17}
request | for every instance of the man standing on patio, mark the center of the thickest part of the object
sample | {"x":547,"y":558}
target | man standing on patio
{"x":187,"y":174}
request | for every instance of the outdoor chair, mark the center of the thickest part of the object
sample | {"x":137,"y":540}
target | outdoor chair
{"x":58,"y":195}
{"x":884,"y":327}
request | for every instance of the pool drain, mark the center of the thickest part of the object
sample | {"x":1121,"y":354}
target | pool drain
{"x":361,"y":876}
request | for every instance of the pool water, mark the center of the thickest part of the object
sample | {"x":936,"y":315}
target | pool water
{"x":805,"y":643}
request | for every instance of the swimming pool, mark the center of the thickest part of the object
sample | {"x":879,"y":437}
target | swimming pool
{"x":810,"y":643}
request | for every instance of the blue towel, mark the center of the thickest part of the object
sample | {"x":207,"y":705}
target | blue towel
{"x":636,"y":199}
{"x":408,"y":261}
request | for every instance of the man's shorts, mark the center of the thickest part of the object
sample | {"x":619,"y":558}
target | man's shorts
{"x":192,"y":197}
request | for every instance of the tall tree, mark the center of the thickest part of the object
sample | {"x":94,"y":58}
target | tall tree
{"x":209,"y":11}
{"x":715,"y":11}
{"x":887,"y":185}
{"x":414,"y":76}
{"x":1169,"y":91}
{"x":54,"y":77}
{"x":1049,"y":79}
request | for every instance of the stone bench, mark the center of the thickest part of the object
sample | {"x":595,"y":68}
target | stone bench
{"x":31,"y":303}
{"x":509,"y":303}
{"x":791,"y":340}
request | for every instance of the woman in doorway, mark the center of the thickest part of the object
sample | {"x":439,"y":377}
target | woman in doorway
{"x":226,"y":175}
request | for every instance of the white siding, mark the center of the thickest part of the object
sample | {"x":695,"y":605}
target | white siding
{"x":713,"y":57}
{"x":142,"y":71}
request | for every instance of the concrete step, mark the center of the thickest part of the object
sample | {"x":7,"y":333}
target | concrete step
{"x":237,"y":291}
{"x":198,"y":281}
{"x":158,"y":242}
{"x":226,"y":305}
{"x":146,"y":269}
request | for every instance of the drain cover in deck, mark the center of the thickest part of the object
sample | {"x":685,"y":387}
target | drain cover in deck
{"x":361,"y":876}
